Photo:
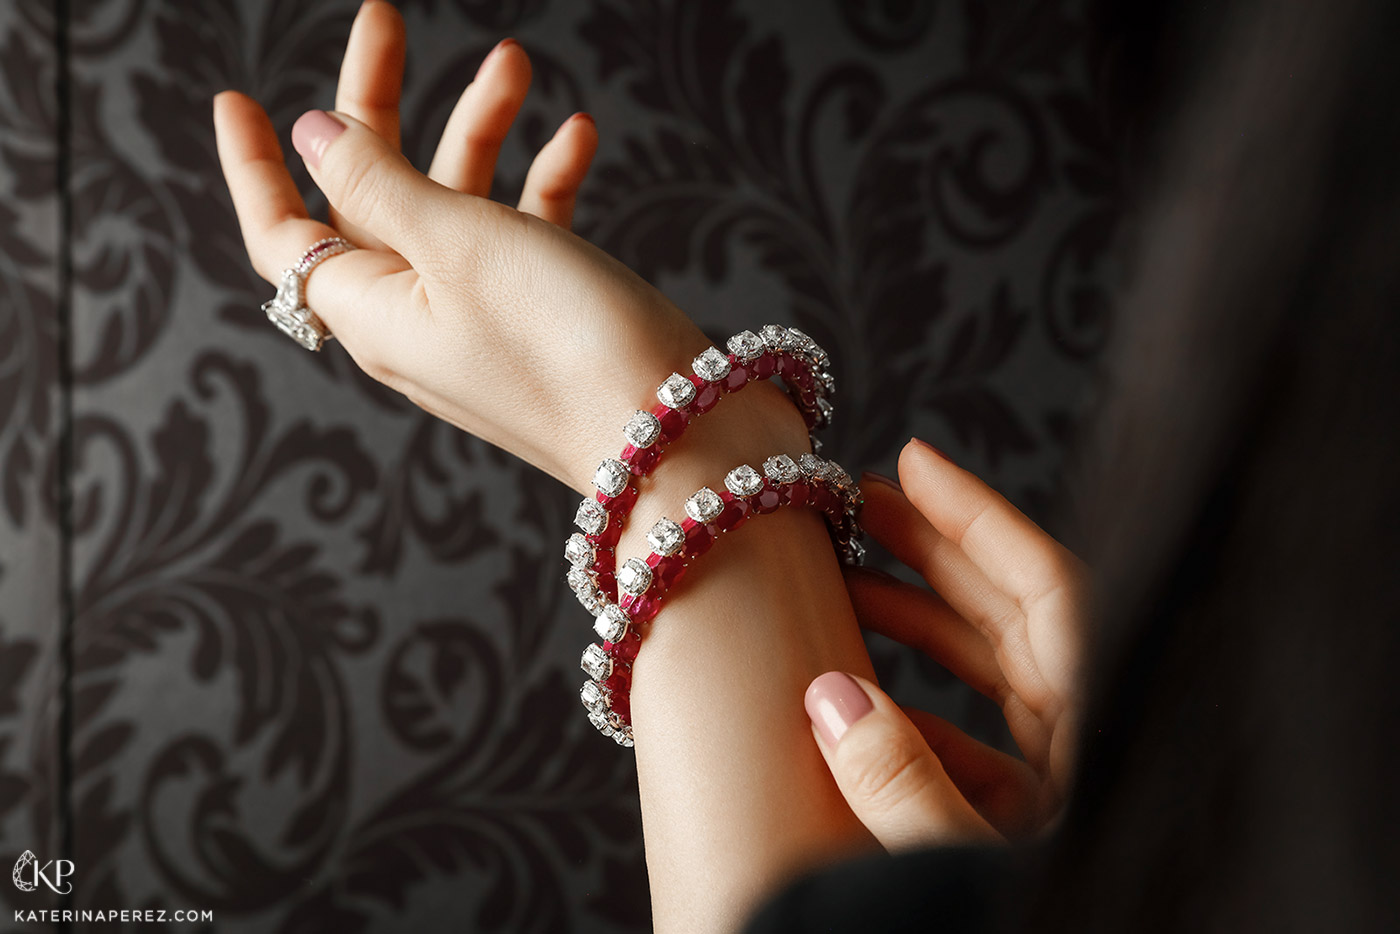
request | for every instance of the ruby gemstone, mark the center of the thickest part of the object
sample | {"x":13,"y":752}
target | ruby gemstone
{"x":707,"y":395}
{"x":626,"y":650}
{"x":733,"y":514}
{"x":767,"y":499}
{"x":698,"y":538}
{"x":670,"y":570}
{"x":765,"y":366}
{"x":620,"y":505}
{"x":673,"y":422}
{"x":643,"y":608}
{"x":622,"y":706}
{"x":738,"y":375}
{"x":640,"y":460}
{"x":609,"y":536}
{"x":620,"y":681}
{"x":822,"y":498}
{"x":797,"y":493}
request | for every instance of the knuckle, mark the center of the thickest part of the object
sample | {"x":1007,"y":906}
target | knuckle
{"x":891,"y":770}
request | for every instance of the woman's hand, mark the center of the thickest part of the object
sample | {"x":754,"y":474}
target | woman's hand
{"x":495,"y":319}
{"x":1005,"y":616}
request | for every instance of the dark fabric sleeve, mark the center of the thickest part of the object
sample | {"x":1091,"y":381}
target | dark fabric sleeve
{"x":949,"y":889}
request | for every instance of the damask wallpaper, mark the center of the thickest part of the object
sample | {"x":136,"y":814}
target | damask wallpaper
{"x":276,"y":644}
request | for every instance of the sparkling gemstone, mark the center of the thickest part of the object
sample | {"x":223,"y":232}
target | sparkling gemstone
{"x":797,"y":493}
{"x":711,"y":365}
{"x":706,"y":396}
{"x":625,"y":649}
{"x":634,"y":577}
{"x":666,"y":537}
{"x":599,"y":719}
{"x":704,"y":504}
{"x":746,"y":345}
{"x":621,"y":705}
{"x":735,"y":511}
{"x":698,"y":539}
{"x":578,"y":551}
{"x":594,"y":696}
{"x":642,"y":429}
{"x":823,"y":499}
{"x":817,"y":445}
{"x":812,"y":466}
{"x":668,"y":571}
{"x":775,"y":338}
{"x":743,"y":480}
{"x":611,"y":624}
{"x":579,"y":579}
{"x":824,"y":412}
{"x":765,"y":366}
{"x":596,"y":663}
{"x":738,"y":377}
{"x":768,"y":500}
{"x":619,"y":679}
{"x":857,"y":553}
{"x":781,"y":469}
{"x":620,"y":505}
{"x":673,"y":421}
{"x":826,"y":383}
{"x":676,"y":392}
{"x":623,"y":739}
{"x":641,"y":608}
{"x":591,"y":517}
{"x":802,"y":344}
{"x":611,"y":477}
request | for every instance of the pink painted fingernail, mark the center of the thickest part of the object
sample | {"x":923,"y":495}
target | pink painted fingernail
{"x":924,"y":444}
{"x":834,"y":701}
{"x":312,"y":133}
{"x":871,"y":476}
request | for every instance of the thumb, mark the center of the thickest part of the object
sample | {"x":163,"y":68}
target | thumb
{"x":890,"y":778}
{"x":373,"y":186}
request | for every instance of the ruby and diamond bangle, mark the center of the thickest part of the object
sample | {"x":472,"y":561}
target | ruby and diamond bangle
{"x":808,"y":481}
{"x":774,"y":351}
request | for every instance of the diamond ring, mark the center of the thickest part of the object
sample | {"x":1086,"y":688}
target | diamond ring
{"x":288,"y":308}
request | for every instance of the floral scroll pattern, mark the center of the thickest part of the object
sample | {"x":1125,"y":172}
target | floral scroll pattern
{"x":323,"y":659}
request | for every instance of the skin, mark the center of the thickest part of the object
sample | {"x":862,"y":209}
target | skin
{"x":737,"y":795}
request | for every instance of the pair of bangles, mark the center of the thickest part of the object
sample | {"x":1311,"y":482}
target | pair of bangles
{"x":807,"y":480}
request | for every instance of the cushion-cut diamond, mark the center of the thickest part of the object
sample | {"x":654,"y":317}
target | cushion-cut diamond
{"x":596,"y":663}
{"x":595,"y":696}
{"x":774,"y":338}
{"x":666,"y":537}
{"x":746,"y":346}
{"x":634,"y":577}
{"x":642,"y":429}
{"x":801,"y":343}
{"x":611,"y":476}
{"x":856,"y":551}
{"x":711,"y":365}
{"x":611,"y":624}
{"x":579,"y":551}
{"x":579,"y":579}
{"x":704,"y":504}
{"x":676,"y":392}
{"x":824,"y":412}
{"x":623,"y":738}
{"x":743,"y":480}
{"x":826,"y":383}
{"x":591,"y":517}
{"x":782,"y":469}
{"x":813,"y":466}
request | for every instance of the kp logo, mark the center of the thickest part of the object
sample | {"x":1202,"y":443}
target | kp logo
{"x":28,"y":874}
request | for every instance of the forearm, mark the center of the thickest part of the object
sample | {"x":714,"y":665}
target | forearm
{"x":735,"y":796}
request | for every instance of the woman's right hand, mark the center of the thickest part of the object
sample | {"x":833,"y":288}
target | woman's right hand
{"x":496,"y":319}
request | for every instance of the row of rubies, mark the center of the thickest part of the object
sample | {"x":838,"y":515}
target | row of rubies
{"x":774,"y":350}
{"x":807,"y":481}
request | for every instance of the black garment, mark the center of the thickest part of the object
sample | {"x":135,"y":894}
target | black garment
{"x":950,"y":890}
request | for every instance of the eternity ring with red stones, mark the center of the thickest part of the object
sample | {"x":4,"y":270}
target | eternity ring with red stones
{"x":808,"y":481}
{"x":288,"y":308}
{"x":774,"y":351}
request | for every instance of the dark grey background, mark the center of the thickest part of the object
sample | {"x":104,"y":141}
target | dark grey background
{"x":322,"y":663}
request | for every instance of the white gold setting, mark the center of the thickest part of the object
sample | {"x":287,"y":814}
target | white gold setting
{"x":743,"y":481}
{"x":704,"y":505}
{"x":782,"y":469}
{"x":595,"y":696}
{"x":611,"y":476}
{"x":666,"y":537}
{"x":642,"y":429}
{"x":712,"y":364}
{"x":579,"y":551}
{"x":774,"y":337}
{"x":813,"y":466}
{"x":676,"y":392}
{"x":634,"y":577}
{"x":591,"y":517}
{"x":288,"y":310}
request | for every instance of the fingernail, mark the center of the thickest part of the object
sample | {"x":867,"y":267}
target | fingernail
{"x":494,"y":52}
{"x":871,"y":476}
{"x":834,"y":701}
{"x":924,"y":444}
{"x":312,"y":133}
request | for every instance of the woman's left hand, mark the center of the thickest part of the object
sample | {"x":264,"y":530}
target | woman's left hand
{"x":1005,"y":616}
